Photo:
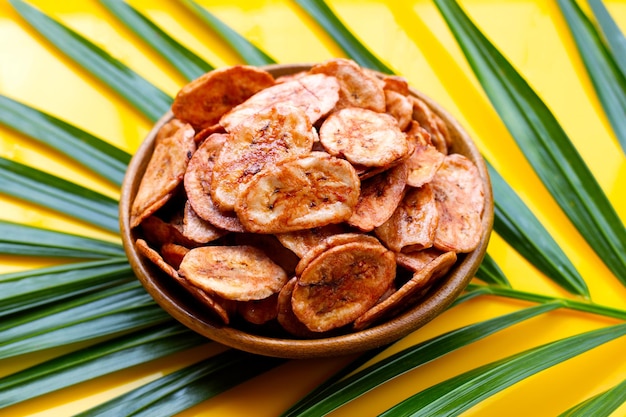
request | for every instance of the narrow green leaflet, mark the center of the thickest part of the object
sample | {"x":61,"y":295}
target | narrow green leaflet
{"x":475,"y":290}
{"x":613,"y":36}
{"x":608,"y":81}
{"x":95,"y":361}
{"x":250,"y":53}
{"x":26,"y":183}
{"x":544,"y":142}
{"x":27,"y":289}
{"x":458,"y":394}
{"x":23,"y":240}
{"x":353,"y":48}
{"x":601,"y":405}
{"x":99,"y":156}
{"x":490,"y":272}
{"x":186,"y":62}
{"x":519,"y":227}
{"x":187,"y":387}
{"x":145,"y":97}
{"x":339,"y":393}
{"x":122,"y":308}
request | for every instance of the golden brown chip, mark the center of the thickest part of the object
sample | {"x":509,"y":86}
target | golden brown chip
{"x":203,"y":101}
{"x":159,"y":232}
{"x":414,"y":223}
{"x":272,"y":247}
{"x":199,"y":294}
{"x":400,"y":107}
{"x":460,"y":199}
{"x":414,"y":261}
{"x":208,"y":131}
{"x":433,"y":124}
{"x":397,"y":84}
{"x":197,"y":229}
{"x":404,"y":296}
{"x":380,"y":195}
{"x":173,"y":254}
{"x":299,"y":193}
{"x":363,"y":137}
{"x":315,"y":94}
{"x":266,"y":137}
{"x":341,"y":284}
{"x":173,"y":148}
{"x":357,"y":88}
{"x":198,"y":185}
{"x":300,"y":241}
{"x":285,"y":316}
{"x":239,"y":273}
{"x":425,"y":159}
{"x":329,"y":243}
{"x":259,"y":311}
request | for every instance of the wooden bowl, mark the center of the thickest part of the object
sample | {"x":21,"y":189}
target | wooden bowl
{"x":177,"y":302}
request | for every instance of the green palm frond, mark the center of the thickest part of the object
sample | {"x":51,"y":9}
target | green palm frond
{"x":615,"y":39}
{"x":603,"y":404}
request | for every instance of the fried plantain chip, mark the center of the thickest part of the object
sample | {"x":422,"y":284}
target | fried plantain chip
{"x":266,"y":137}
{"x":173,"y":254}
{"x":460,"y":199}
{"x":433,"y":124}
{"x":197,"y":293}
{"x":240,"y":273}
{"x":414,"y":223}
{"x":416,"y":260}
{"x":173,"y":148}
{"x":314,"y":94}
{"x":357,"y":88}
{"x":203,"y":101}
{"x":285,"y":316}
{"x":404,"y":296}
{"x":300,"y":241}
{"x":341,"y":284}
{"x":197,"y":183}
{"x":197,"y":229}
{"x":425,"y":159}
{"x":380,"y":195}
{"x":259,"y":311}
{"x":400,"y":107}
{"x":299,"y":193}
{"x":363,"y":137}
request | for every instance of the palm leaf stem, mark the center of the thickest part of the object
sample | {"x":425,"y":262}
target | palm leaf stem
{"x":490,"y":272}
{"x":613,"y":36}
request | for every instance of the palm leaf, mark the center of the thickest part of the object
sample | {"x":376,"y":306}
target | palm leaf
{"x":349,"y":43}
{"x":601,"y":405}
{"x":490,"y":272}
{"x":338,"y":393}
{"x":458,"y":394}
{"x":113,"y":310}
{"x":149,"y":100}
{"x":608,"y":80}
{"x":250,"y":53}
{"x":511,"y":215}
{"x":187,"y":387}
{"x":544,"y":142}
{"x":20,"y":239}
{"x":64,"y":196}
{"x":94,"y":361}
{"x":186,"y":62}
{"x":613,"y":36}
{"x":93,"y":153}
{"x":28,"y":289}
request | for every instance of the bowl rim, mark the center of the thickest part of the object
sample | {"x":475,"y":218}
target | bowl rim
{"x":438,"y":298}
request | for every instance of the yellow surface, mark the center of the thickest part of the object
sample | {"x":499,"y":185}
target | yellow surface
{"x":411,"y":37}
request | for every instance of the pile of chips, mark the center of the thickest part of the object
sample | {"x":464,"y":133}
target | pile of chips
{"x":319,"y":203}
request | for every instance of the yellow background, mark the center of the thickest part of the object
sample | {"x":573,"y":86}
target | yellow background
{"x":411,"y":37}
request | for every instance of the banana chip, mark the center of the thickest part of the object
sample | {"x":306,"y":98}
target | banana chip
{"x":299,"y":193}
{"x":197,"y":229}
{"x":174,"y":146}
{"x":341,"y":284}
{"x":460,"y":201}
{"x":315,"y":94}
{"x":414,"y":223}
{"x":432,"y":123}
{"x":357,"y":88}
{"x":197,"y":183}
{"x":363,"y":137}
{"x":266,"y":137}
{"x":285,"y":316}
{"x":400,"y":107}
{"x":380,"y":195}
{"x":400,"y":299}
{"x":301,"y":241}
{"x":259,"y":311}
{"x":203,"y":101}
{"x":240,"y":273}
{"x":425,"y":159}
